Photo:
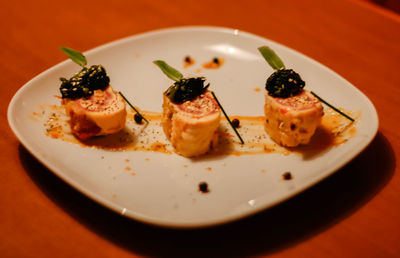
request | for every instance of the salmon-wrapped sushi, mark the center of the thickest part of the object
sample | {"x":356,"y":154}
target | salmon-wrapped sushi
{"x":102,"y":113}
{"x":93,"y":106}
{"x":291,"y":113}
{"x":191,"y":115}
{"x":191,"y":126}
{"x":292,"y":121}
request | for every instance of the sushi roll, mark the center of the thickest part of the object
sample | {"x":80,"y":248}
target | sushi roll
{"x":292,"y":121}
{"x":191,"y":116}
{"x":93,"y":106}
{"x":102,"y":113}
{"x":292,"y":113}
{"x":191,"y":126}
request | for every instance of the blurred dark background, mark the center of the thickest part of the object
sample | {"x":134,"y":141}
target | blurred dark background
{"x":393,"y":5}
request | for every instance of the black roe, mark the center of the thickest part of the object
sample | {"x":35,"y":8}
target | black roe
{"x":186,"y":89}
{"x":287,"y":175}
{"x":203,"y":187}
{"x":236,"y":123}
{"x":84,"y":83}
{"x":284,"y":83}
{"x":138,"y":118}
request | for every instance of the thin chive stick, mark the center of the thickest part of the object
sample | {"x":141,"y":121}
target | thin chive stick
{"x":329,"y":105}
{"x":227,"y":118}
{"x":137,"y":112}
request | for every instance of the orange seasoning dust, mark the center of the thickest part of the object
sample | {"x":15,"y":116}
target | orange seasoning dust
{"x":159,"y":147}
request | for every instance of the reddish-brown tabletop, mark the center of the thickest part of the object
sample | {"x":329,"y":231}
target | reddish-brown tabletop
{"x":353,"y":213}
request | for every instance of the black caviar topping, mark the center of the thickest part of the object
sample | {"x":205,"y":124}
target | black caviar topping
{"x":284,"y":83}
{"x":186,"y":89}
{"x":84,"y":83}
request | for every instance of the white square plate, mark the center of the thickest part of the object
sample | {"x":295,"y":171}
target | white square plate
{"x":164,"y":190}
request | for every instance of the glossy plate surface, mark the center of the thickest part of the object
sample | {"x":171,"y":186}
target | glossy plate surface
{"x":164,"y":190}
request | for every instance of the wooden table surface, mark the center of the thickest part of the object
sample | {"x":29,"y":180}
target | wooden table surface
{"x":354,"y":213}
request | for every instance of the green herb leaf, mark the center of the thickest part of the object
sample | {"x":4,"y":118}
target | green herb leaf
{"x":271,"y":57}
{"x":75,"y":56}
{"x":172,"y":73}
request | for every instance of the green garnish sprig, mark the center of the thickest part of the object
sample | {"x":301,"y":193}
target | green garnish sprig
{"x":169,"y":71}
{"x":271,"y":57}
{"x":276,"y":79}
{"x":183,"y":89}
{"x":129,"y":103}
{"x":227,"y":118}
{"x":75,"y":56}
{"x":334,"y":108}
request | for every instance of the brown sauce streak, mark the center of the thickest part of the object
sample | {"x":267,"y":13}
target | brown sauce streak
{"x":333,"y":131}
